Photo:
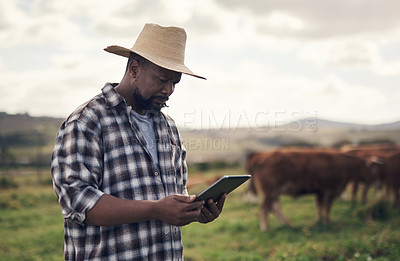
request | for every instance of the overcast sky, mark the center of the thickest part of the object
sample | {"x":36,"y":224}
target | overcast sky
{"x":266,"y":62}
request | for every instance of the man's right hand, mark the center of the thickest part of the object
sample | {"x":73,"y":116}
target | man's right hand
{"x":179,"y":210}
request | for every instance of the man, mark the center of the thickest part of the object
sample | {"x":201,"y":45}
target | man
{"x":119,"y":165}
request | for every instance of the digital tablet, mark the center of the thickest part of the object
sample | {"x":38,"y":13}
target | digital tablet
{"x":224,"y":185}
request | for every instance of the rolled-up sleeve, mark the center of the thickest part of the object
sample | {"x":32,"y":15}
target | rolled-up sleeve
{"x":184,"y":170}
{"x":77,"y":166}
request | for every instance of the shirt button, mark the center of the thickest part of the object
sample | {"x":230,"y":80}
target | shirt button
{"x":166,"y":232}
{"x":156,"y":173}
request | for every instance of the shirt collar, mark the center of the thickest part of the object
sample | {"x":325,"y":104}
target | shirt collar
{"x":113,"y":99}
{"x":111,"y":96}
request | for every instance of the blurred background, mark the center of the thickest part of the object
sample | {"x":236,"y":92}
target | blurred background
{"x":279,"y":74}
{"x":271,"y":60}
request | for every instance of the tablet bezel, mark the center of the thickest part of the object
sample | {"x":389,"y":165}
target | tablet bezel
{"x":225,"y":184}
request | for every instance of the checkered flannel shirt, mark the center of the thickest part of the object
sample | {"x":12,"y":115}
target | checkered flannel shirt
{"x":99,"y":149}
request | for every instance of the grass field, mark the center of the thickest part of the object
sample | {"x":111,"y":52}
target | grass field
{"x":31,"y":227}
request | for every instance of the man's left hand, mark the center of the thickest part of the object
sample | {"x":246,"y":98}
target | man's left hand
{"x":211,"y":210}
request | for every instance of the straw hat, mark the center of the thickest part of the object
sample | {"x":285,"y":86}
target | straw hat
{"x":163,"y":46}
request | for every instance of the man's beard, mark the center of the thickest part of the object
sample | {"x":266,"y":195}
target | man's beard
{"x":149,"y":104}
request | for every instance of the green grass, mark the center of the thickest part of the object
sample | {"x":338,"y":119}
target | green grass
{"x":31,"y":228}
{"x":31,"y":223}
{"x":236,"y":235}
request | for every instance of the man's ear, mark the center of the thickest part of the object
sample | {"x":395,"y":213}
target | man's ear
{"x":133,"y":67}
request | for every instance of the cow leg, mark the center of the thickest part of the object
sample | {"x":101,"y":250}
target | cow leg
{"x":329,"y":199}
{"x":324,"y":203}
{"x":265,"y":208}
{"x":364,"y":194}
{"x":318,"y":202}
{"x":328,"y":205}
{"x":354,"y":192}
{"x":277,"y":208}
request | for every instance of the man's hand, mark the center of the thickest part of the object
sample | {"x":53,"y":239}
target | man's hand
{"x":179,"y":210}
{"x":212,"y":210}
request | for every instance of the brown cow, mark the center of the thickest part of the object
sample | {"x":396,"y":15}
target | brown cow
{"x":253,"y":157}
{"x":323,"y":173}
{"x":393,"y":177}
{"x":377,"y":176}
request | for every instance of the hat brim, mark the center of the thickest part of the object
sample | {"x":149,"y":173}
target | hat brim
{"x":125,"y":52}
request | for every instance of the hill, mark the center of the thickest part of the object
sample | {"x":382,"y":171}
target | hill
{"x":228,"y":144}
{"x":12,"y":123}
{"x":327,"y":124}
{"x":233,"y":144}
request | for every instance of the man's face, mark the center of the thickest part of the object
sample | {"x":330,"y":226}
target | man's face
{"x":154,"y":85}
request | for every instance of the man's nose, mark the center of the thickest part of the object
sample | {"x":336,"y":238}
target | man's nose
{"x":168,"y":88}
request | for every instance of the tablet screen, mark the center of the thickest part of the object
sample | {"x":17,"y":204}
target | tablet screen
{"x":226,"y":184}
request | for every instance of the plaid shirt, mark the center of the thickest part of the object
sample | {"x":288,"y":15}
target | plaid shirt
{"x":99,"y":149}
